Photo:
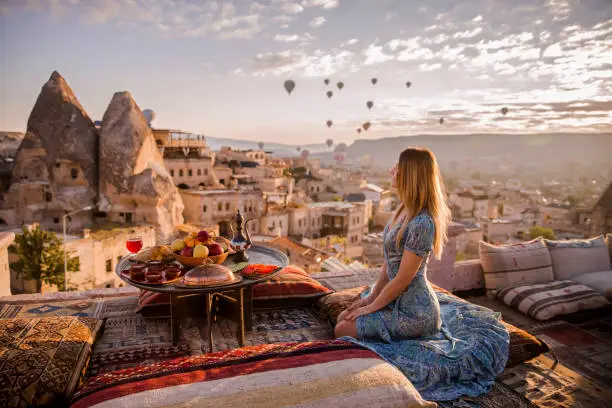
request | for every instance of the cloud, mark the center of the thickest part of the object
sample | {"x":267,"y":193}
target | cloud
{"x":293,"y":38}
{"x":374,"y":55}
{"x":317,"y":21}
{"x":292,"y":8}
{"x":325,"y":4}
{"x":317,"y":64}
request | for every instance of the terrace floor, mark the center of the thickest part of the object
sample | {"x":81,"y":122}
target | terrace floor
{"x":584,"y":346}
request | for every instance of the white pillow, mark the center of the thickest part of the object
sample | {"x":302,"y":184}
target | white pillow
{"x":578,"y":256}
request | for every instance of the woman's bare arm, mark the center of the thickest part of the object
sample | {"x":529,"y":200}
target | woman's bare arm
{"x":408,"y":268}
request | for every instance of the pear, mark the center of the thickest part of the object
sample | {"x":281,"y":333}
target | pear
{"x":200,"y":251}
{"x":178,"y":245}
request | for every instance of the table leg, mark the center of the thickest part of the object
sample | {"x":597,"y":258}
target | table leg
{"x":209,"y":320}
{"x":174,"y":320}
{"x":241,"y":319}
{"x":248,"y":308}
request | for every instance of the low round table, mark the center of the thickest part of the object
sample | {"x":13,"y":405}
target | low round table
{"x":238,"y":297}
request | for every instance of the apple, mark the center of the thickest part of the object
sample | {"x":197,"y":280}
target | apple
{"x":178,"y":245}
{"x":200,"y":251}
{"x":187,"y":252}
{"x":203,"y":236}
{"x":215,"y":249}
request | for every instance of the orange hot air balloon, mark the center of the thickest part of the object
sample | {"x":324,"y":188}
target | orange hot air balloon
{"x":366,"y":126}
{"x":374,"y":81}
{"x":441,"y":121}
{"x":408,"y":84}
{"x":326,"y":81}
{"x":504,"y":111}
{"x":369,"y":104}
{"x":329,"y":123}
{"x":358,"y":130}
{"x":329,"y":94}
{"x":329,"y":142}
{"x":289,"y":86}
{"x":340,"y":85}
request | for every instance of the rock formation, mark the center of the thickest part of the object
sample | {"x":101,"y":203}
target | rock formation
{"x":133,"y":179}
{"x":56,"y":167}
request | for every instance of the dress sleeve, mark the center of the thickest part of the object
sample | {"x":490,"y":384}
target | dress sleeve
{"x":420,"y":236}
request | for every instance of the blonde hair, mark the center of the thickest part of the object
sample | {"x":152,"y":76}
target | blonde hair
{"x":420,"y":186}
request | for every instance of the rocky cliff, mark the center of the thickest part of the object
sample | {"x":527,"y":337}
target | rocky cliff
{"x":56,"y":167}
{"x":132,"y":174}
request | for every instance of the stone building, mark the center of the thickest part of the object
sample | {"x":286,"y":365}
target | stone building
{"x":6,"y":239}
{"x":218,"y":207}
{"x":187,"y":158}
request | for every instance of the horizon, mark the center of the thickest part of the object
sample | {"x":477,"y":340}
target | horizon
{"x":219,"y":70}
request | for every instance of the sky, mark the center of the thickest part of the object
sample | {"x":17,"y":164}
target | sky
{"x":218,"y":67}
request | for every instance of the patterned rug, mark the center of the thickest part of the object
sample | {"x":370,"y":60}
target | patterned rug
{"x":500,"y":396}
{"x":82,"y":307}
{"x":547,"y":388}
{"x":585,"y":348}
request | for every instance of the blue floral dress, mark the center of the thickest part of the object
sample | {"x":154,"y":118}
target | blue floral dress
{"x":447,"y":347}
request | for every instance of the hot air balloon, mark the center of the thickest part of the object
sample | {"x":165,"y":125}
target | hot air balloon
{"x":504,"y":110}
{"x":149,"y":116}
{"x":329,"y":94}
{"x":374,"y":81}
{"x":340,"y":85}
{"x":329,"y":123}
{"x":289,"y":86}
{"x":369,"y":104}
{"x":329,"y":142}
{"x":366,"y":126}
{"x":408,"y":84}
{"x":358,"y":130}
{"x":260,"y":145}
{"x":441,"y":121}
{"x":326,"y":81}
{"x":305,"y":154}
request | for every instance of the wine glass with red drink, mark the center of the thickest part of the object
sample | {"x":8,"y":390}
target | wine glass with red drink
{"x":134,"y":244}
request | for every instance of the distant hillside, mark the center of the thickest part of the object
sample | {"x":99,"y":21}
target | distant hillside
{"x":544,"y":149}
{"x":279,"y":149}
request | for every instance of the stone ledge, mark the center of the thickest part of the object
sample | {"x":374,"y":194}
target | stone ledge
{"x":67,"y":296}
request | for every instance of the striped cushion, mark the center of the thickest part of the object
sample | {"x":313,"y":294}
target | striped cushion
{"x":578,"y":256}
{"x":508,"y":265}
{"x":309,"y":375}
{"x":544,"y":301}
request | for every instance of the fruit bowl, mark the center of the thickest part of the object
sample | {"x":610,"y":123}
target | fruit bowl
{"x":218,"y":259}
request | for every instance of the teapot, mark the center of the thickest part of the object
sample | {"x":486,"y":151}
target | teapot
{"x":241,"y":241}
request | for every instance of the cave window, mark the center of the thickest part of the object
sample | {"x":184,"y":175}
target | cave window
{"x":74,"y":173}
{"x":227,"y":206}
{"x":181,"y":173}
{"x":172,"y":172}
{"x":204,"y":208}
{"x":220,"y":207}
{"x":189,"y":172}
{"x":48,"y":197}
{"x":199,"y":172}
{"x":56,"y":220}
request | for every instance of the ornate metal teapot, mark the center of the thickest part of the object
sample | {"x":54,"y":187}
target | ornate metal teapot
{"x":241,"y":240}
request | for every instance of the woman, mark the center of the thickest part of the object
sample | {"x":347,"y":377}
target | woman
{"x":446,"y":347}
{"x":402,"y":304}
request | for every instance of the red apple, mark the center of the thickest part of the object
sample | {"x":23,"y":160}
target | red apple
{"x":203,"y":236}
{"x":214,"y":249}
{"x":187,"y":252}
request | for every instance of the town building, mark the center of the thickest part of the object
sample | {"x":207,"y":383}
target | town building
{"x":6,"y":239}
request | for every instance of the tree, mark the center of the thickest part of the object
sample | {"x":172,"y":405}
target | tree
{"x":535,"y":232}
{"x":41,"y":257}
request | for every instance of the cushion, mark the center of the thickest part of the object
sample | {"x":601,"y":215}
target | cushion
{"x":313,"y":374}
{"x":523,"y":346}
{"x":335,"y":303}
{"x":508,"y":265}
{"x":543,"y":301}
{"x":292,"y":287}
{"x":576,"y":257}
{"x":43,"y":360}
{"x":600,"y":281}
{"x":609,"y":240}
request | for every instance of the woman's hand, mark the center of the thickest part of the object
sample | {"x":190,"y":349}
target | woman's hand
{"x":364,"y":301}
{"x":360,"y":311}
